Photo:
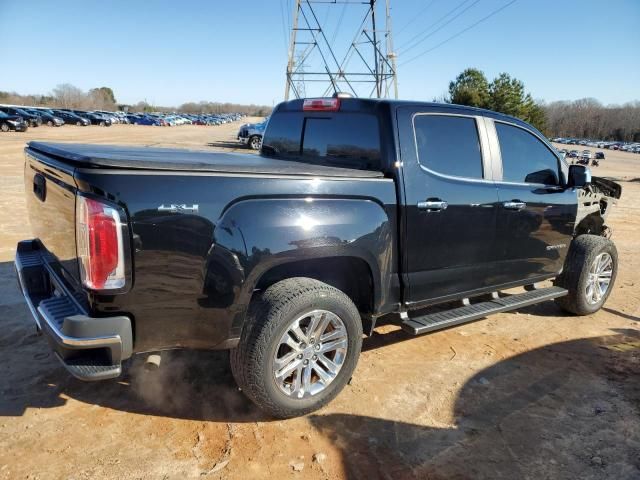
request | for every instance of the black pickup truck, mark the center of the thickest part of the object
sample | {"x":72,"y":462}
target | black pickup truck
{"x":354,"y":210}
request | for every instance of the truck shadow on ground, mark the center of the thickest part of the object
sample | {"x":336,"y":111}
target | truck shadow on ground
{"x":230,"y":145}
{"x":567,"y":410}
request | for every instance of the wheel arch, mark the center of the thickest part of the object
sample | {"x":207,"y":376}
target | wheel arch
{"x":346,"y":243}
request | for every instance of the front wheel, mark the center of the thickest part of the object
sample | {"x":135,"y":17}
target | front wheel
{"x":299,"y":347}
{"x":4,"y":127}
{"x":589,"y":275}
{"x":255,"y":142}
{"x":49,"y":123}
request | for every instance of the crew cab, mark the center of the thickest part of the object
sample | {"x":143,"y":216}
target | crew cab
{"x":355,"y":210}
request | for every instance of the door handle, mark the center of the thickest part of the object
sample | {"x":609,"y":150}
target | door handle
{"x":514,"y":205}
{"x":433,"y":205}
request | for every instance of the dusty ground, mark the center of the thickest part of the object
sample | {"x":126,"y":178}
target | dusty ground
{"x":532,"y":394}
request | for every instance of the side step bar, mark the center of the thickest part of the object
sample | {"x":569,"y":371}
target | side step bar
{"x":468,"y":313}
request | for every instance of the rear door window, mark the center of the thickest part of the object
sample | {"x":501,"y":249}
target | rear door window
{"x":449,"y":145}
{"x":525,"y":159}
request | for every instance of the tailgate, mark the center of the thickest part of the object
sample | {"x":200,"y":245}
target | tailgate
{"x":50,"y":194}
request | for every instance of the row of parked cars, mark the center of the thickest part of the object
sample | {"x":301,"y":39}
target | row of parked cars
{"x":586,"y":157}
{"x":20,"y":118}
{"x":174,"y":119}
{"x":633,"y":147}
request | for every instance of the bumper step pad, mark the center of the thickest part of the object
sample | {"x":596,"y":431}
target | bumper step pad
{"x":456,"y":316}
{"x":91,"y":369}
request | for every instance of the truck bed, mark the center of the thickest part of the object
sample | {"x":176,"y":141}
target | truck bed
{"x":173,"y":159}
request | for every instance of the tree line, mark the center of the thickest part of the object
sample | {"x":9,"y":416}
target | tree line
{"x":103,"y":98}
{"x":584,"y":118}
{"x":588,"y":118}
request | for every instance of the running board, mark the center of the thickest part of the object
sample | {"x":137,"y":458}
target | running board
{"x":468,"y":313}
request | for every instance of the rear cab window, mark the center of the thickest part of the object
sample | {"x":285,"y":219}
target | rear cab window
{"x":339,"y":139}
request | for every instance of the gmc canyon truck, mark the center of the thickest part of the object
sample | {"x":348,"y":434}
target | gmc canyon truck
{"x":355,"y":210}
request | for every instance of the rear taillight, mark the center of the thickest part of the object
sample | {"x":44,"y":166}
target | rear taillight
{"x":99,"y":245}
{"x":321,"y":105}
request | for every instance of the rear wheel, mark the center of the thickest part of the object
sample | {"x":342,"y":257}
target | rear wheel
{"x":590,"y":272}
{"x":299,"y":347}
{"x":255,"y":142}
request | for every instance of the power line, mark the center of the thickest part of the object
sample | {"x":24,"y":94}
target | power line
{"x":430,"y":34}
{"x":415,"y":17}
{"x":335,"y":32}
{"x":418,"y":35}
{"x":460,"y":32}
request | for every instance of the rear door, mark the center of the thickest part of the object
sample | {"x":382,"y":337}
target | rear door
{"x":450,"y":204}
{"x":537,"y":212}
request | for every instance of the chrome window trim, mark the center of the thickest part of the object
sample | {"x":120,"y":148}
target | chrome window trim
{"x":493,"y":132}
{"x":494,"y":146}
{"x":482,"y":140}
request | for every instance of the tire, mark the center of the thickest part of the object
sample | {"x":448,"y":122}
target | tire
{"x":78,"y":123}
{"x":4,"y":127}
{"x":269,"y":320}
{"x":49,"y":123}
{"x":585,"y":292}
{"x":255,"y":142}
{"x":102,"y":124}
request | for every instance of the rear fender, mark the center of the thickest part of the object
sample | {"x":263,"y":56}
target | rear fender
{"x":261,"y":234}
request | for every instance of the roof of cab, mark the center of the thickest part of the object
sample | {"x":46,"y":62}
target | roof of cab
{"x":351,"y":104}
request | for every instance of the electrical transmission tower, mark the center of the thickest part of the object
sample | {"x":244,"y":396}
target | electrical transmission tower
{"x":361,"y":63}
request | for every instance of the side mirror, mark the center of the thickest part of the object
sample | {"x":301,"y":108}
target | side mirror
{"x":579,"y":176}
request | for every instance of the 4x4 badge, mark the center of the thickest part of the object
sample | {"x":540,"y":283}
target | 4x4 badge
{"x":178,"y":208}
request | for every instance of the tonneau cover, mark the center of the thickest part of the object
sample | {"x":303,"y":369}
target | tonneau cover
{"x":151,"y":158}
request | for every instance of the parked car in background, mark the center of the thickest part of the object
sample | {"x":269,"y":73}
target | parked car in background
{"x":30,"y":118}
{"x":599,"y":156}
{"x":146,"y":120}
{"x":113,"y":118}
{"x":94,"y":118}
{"x":12,"y":122}
{"x":71,"y":118}
{"x":47,"y":118}
{"x":250,"y":134}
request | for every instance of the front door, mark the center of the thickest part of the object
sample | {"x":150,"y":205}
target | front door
{"x":536,"y":213}
{"x":450,"y":204}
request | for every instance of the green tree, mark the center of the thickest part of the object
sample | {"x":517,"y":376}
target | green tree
{"x":504,"y":94}
{"x":104,"y":92}
{"x":470,"y":88}
{"x":507,"y":95}
{"x":534,"y":114}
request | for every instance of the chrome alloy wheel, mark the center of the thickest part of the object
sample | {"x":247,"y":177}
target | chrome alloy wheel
{"x":599,"y":278}
{"x":310,"y":354}
{"x":256,"y":143}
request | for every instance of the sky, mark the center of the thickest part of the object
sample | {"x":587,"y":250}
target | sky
{"x":171,"y":52}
